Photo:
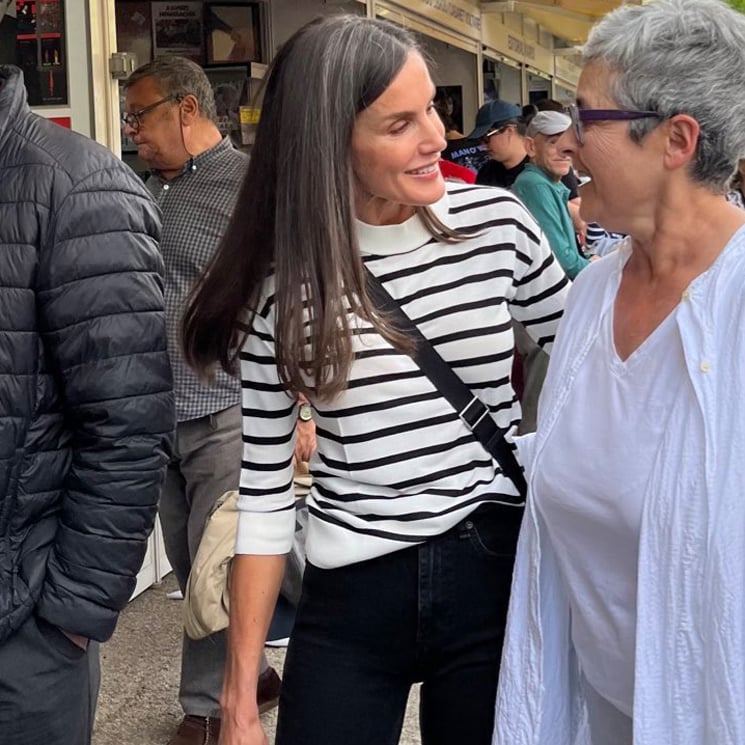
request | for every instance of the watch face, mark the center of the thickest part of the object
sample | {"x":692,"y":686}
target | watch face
{"x":306,"y":413}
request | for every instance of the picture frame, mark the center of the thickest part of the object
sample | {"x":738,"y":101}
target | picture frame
{"x":177,"y":28}
{"x":231,"y":88}
{"x":232,"y":32}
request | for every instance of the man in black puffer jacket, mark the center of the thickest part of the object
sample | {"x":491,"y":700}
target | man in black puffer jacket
{"x":86,"y":412}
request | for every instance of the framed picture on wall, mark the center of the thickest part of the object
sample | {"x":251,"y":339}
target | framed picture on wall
{"x":232,"y":31}
{"x":230,"y":86}
{"x":177,"y":29}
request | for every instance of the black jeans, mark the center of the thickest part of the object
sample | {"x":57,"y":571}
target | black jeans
{"x":434,"y":613}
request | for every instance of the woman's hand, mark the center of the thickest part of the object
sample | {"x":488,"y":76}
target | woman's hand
{"x":242,"y":730}
{"x":305,"y":441}
{"x":254,"y":586}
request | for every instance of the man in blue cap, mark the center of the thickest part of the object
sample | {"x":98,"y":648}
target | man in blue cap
{"x":497,"y":127}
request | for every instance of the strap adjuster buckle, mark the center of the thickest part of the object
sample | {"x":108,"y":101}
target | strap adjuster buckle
{"x":473,"y":412}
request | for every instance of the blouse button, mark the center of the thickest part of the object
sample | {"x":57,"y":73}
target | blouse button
{"x":705,"y":366}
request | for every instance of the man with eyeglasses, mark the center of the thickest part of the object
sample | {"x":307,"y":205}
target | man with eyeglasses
{"x":498,"y":129}
{"x":86,"y":413}
{"x":195,"y":176}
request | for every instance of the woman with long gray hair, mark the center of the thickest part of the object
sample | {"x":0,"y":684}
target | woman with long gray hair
{"x":627,"y":619}
{"x":413,"y":524}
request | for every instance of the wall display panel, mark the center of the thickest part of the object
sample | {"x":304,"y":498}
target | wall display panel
{"x":40,"y":50}
{"x":7,"y":32}
{"x":133,"y":29}
{"x":230,"y":85}
{"x":178,"y":29}
{"x":232,"y":33}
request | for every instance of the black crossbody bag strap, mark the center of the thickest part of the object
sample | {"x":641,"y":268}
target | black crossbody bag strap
{"x":470,"y":408}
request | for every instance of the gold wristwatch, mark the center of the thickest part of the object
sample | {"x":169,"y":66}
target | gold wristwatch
{"x":305,"y":412}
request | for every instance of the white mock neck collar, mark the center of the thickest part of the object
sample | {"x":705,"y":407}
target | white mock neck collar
{"x":385,"y":240}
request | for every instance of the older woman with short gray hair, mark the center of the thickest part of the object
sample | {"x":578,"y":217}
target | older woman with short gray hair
{"x":627,"y":619}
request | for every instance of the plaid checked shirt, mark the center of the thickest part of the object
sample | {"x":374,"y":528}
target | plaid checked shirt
{"x":197,"y":206}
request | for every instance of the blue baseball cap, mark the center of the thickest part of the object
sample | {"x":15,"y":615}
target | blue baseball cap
{"x":492,"y":115}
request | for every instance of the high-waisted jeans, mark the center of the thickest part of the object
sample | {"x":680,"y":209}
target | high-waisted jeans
{"x":433,"y":613}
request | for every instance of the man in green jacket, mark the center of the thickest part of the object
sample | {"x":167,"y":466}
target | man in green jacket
{"x":539,"y":187}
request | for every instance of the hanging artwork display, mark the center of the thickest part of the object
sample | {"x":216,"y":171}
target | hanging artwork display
{"x":177,"y":29}
{"x":233,"y":32}
{"x":40,"y":50}
{"x":133,"y":29}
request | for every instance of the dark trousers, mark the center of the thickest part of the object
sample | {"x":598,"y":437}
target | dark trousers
{"x":48,"y":687}
{"x":434,"y":613}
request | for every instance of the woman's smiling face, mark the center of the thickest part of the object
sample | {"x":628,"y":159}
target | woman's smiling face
{"x":395,"y":150}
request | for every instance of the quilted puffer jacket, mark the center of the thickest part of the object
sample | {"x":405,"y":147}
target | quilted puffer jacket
{"x":86,"y":403}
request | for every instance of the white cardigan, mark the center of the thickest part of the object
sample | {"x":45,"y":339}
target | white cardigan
{"x":690,"y":640}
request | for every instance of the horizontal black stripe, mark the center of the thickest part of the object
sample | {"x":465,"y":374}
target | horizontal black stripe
{"x":452,"y":310}
{"x":385,"y":378}
{"x":442,"y":474}
{"x":276,"y":466}
{"x":247,"y":491}
{"x":380,"y":406}
{"x":446,"y":260}
{"x":268,"y":414}
{"x":550,"y":317}
{"x":459,"y":284}
{"x":471,"y":333}
{"x":267,"y":441}
{"x":380,"y":434}
{"x":547,"y":293}
{"x":389,"y":460}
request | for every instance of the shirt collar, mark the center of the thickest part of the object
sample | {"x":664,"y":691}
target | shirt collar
{"x":383,"y":240}
{"x":558,"y":185}
{"x":199,"y":161}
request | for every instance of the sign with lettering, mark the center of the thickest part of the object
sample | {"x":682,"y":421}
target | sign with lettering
{"x":463,"y":16}
{"x":502,"y":40}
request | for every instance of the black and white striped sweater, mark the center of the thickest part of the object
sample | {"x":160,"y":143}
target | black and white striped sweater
{"x":395,"y":465}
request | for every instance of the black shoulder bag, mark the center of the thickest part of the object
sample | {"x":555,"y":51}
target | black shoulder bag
{"x":470,"y":408}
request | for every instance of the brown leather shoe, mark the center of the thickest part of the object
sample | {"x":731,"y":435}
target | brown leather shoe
{"x":206,"y":730}
{"x":268,"y":690}
{"x":197,"y":731}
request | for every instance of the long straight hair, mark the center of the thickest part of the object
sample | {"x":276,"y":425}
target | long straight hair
{"x":294,"y":217}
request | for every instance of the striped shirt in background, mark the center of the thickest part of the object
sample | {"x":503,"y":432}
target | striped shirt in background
{"x":197,"y":207}
{"x":395,"y":464}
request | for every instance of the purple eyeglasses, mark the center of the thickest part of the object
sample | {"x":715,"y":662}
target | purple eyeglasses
{"x":578,"y":116}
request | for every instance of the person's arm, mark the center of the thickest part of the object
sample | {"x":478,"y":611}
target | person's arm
{"x":101,"y":316}
{"x":543,"y":205}
{"x":266,"y":528}
{"x":254,"y":587}
{"x":540,"y":287}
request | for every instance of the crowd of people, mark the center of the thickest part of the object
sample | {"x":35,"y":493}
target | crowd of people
{"x":336,"y":298}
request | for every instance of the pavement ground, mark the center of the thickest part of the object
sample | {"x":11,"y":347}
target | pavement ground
{"x":138,"y":704}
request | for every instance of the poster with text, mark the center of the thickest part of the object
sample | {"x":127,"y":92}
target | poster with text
{"x":177,"y":29}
